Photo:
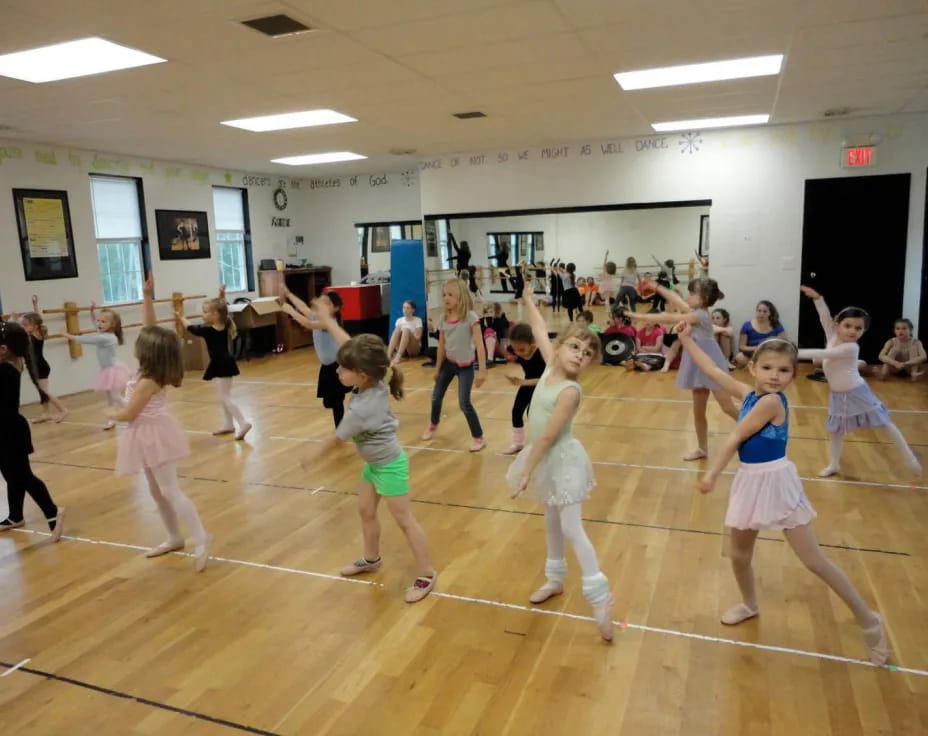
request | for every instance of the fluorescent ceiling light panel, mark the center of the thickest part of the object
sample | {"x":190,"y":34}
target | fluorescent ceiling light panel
{"x":318,"y":158}
{"x":71,"y":59}
{"x":713,"y":71}
{"x":289,"y":120}
{"x":710,"y":123}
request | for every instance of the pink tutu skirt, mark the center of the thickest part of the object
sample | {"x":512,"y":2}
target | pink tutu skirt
{"x":112,"y":378}
{"x":768,"y":496}
{"x":149,"y":442}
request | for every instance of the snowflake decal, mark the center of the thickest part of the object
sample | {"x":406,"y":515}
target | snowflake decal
{"x":408,"y":177}
{"x":690,"y":142}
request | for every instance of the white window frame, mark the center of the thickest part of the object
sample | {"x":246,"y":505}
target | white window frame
{"x":132,"y":279}
{"x":223,"y":249}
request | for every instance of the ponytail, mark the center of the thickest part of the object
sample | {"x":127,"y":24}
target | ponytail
{"x":394,"y":378}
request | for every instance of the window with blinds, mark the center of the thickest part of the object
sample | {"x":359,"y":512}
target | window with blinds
{"x":119,"y":230}
{"x":233,"y":243}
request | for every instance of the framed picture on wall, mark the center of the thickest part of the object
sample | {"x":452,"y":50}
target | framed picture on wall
{"x":431,"y":238}
{"x":704,"y":235}
{"x":380,"y":239}
{"x":182,"y":235}
{"x":46,"y":241}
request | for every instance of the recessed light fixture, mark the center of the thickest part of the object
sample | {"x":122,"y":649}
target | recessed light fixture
{"x":713,"y":71}
{"x":288,"y":120}
{"x":79,"y":58}
{"x":318,"y":158}
{"x":710,"y":123}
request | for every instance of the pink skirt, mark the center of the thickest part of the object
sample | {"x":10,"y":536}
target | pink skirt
{"x":112,"y":378}
{"x":768,"y":496}
{"x":149,"y":442}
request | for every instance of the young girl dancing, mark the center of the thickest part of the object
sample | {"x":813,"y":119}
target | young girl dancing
{"x":703,"y":293}
{"x":39,"y":369}
{"x":328,"y":387}
{"x":557,"y":467}
{"x":460,"y":344}
{"x":113,"y":376}
{"x":522,"y":343}
{"x":154,"y":441}
{"x":902,"y":354}
{"x":607,"y":285}
{"x":218,"y":330}
{"x":852,"y":404}
{"x":407,"y":334}
{"x":766,"y":492}
{"x":370,"y":423}
{"x":721,"y":326}
{"x":16,"y":446}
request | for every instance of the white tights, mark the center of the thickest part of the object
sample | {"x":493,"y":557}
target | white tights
{"x":837,"y":445}
{"x":173,"y":504}
{"x":229,"y":409}
{"x":566,"y":522}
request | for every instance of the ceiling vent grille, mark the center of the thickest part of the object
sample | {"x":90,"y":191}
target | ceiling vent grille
{"x":276,"y":26}
{"x":469,"y":115}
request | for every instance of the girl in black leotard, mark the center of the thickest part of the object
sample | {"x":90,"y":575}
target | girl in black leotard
{"x":39,"y":369}
{"x":461,"y":256}
{"x":17,"y":439}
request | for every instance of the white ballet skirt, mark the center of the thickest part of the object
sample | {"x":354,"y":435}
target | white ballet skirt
{"x":564,"y":475}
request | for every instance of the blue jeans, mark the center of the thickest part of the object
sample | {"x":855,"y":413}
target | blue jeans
{"x":465,"y":376}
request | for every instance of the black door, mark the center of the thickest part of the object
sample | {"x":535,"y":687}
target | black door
{"x":923,"y":297}
{"x":853,"y":253}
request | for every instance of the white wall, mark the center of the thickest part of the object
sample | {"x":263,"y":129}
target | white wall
{"x":755,"y":178}
{"x":166,"y":186}
{"x":584,"y":237}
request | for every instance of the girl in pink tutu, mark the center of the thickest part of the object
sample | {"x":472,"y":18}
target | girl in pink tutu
{"x":852,"y":404}
{"x":766,"y":492}
{"x":113,"y":376}
{"x":154,"y":441}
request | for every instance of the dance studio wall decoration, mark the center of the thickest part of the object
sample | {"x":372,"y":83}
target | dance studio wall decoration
{"x":182,"y":235}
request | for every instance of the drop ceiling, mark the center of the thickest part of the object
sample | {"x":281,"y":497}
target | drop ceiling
{"x":541,"y":70}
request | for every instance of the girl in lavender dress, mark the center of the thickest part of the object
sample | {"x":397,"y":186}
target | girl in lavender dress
{"x":703,"y":293}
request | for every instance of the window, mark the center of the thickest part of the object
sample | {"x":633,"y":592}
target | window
{"x":233,"y":240}
{"x":120,"y":232}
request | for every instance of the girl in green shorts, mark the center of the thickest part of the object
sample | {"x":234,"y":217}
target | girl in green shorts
{"x":371,"y":424}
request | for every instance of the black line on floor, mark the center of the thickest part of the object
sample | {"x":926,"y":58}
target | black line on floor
{"x":474,"y":507}
{"x":143,"y":701}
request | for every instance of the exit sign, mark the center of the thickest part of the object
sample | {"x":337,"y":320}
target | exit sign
{"x":857,"y":157}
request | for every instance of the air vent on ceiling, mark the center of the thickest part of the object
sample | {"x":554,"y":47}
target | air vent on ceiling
{"x":837,"y":112}
{"x":397,"y":151}
{"x":469,"y":115}
{"x":276,"y":25}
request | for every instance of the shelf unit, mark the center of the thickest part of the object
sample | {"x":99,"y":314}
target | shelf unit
{"x":307,"y":284}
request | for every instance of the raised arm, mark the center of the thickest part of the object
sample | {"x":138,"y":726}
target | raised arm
{"x":824,"y":315}
{"x":674,"y":298}
{"x":323,"y":310}
{"x":708,"y":366}
{"x":304,"y":322}
{"x":148,"y":306}
{"x":539,"y":328}
{"x":665,"y":318}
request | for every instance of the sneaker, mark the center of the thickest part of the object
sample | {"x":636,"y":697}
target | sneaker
{"x":429,"y":432}
{"x":478,"y":444}
{"x":10,"y":524}
{"x":817,"y":376}
{"x":420,"y":588}
{"x":361,"y":566}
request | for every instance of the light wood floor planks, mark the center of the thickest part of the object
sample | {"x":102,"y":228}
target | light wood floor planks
{"x":269,"y":639}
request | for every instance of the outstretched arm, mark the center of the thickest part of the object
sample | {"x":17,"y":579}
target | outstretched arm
{"x":148,"y":294}
{"x":539,"y":328}
{"x":708,"y":366}
{"x":665,"y":318}
{"x":142,"y":394}
{"x":323,"y":310}
{"x":824,"y":315}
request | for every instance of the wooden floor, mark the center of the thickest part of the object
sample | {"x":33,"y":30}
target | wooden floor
{"x":270,"y":640}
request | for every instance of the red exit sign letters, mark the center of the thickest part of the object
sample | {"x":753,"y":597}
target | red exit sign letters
{"x":857,"y":157}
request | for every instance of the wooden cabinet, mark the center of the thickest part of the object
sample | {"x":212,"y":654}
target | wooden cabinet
{"x":307,"y":284}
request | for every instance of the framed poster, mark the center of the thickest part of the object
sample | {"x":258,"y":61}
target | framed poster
{"x":431,"y":239}
{"x":182,"y":235}
{"x":704,"y":235}
{"x":46,"y":241}
{"x":380,"y":239}
{"x":539,"y":245}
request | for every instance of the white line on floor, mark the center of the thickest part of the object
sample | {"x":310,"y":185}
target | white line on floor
{"x":16,"y":667}
{"x":100,"y":426}
{"x":502,"y":604}
{"x":638,"y":466}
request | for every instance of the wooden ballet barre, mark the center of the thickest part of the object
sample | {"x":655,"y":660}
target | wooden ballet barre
{"x":69,"y":310}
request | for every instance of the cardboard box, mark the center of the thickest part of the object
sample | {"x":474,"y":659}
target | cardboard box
{"x":195,"y":356}
{"x":261,"y":312}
